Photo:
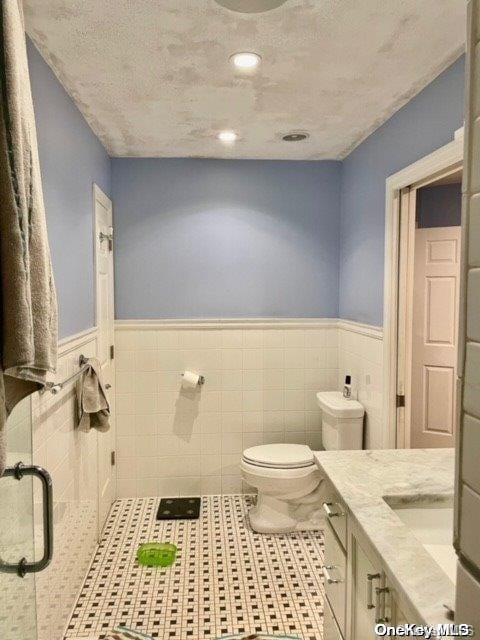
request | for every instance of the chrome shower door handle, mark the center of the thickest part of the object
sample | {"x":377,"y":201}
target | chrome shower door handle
{"x":23,"y":566}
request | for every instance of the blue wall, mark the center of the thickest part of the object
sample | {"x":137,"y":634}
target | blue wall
{"x":210,"y":238}
{"x":439,"y":206}
{"x":424,"y":124}
{"x":226,"y":238}
{"x":71,"y":160}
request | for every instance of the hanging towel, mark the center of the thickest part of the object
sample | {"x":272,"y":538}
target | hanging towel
{"x":93,"y":410}
{"x":28,"y":306}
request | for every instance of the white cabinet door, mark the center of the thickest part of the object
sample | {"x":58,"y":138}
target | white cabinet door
{"x":366,"y":603}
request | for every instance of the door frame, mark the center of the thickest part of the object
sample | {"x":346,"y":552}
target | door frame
{"x":438,"y":163}
{"x":99,"y":195}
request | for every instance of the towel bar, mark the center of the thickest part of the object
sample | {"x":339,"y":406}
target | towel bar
{"x":56,"y":387}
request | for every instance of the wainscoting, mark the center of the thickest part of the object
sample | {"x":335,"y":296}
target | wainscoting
{"x":261,"y":380}
{"x":71,"y":458}
{"x":360,"y":354}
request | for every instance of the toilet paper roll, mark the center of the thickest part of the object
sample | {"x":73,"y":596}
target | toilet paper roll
{"x":190,"y":379}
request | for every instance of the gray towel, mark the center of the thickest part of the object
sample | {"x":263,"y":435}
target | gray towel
{"x":28,"y":306}
{"x":93,"y":410}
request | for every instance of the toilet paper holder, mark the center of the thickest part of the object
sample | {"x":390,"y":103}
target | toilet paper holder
{"x":201,"y":379}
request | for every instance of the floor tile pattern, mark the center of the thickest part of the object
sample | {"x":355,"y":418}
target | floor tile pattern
{"x":226,"y":579}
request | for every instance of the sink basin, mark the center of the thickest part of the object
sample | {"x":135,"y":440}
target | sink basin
{"x":431,"y":522}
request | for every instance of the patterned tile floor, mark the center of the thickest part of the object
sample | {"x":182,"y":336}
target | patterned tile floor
{"x":227,"y":579}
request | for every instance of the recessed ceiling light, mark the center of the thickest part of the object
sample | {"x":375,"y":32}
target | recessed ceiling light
{"x":227,"y":136}
{"x":246,"y":60}
{"x":250,"y":6}
{"x":295,"y":136}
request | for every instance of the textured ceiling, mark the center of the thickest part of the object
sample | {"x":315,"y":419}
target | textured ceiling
{"x":152,"y":77}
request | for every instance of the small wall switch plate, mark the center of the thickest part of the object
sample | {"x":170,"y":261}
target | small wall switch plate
{"x":368,"y":379}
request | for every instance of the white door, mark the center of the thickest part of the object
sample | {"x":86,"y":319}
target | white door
{"x":105,"y":328}
{"x":435,"y":336}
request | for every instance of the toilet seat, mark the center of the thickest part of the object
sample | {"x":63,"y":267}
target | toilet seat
{"x":279,"y":456}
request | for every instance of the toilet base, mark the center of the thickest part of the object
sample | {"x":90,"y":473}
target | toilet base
{"x":272,"y":515}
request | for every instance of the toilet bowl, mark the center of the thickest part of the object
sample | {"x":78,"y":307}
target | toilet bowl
{"x":288,"y":483}
{"x":290,"y":486}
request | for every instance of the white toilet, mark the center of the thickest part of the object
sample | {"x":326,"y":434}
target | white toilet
{"x":288,"y":481}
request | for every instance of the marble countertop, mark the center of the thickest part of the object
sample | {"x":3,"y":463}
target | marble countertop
{"x":363,"y":479}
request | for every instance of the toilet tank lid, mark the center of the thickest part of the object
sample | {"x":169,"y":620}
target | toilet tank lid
{"x":280,"y":455}
{"x":333,"y":403}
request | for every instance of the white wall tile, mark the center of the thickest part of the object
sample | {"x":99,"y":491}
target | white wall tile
{"x":294,"y":338}
{"x":294,"y":358}
{"x":252,"y":401}
{"x":274,"y":400}
{"x":232,"y":401}
{"x":361,"y":356}
{"x":273,"y":338}
{"x":231,"y":359}
{"x":232,"y":380}
{"x":274,"y":379}
{"x":232,"y":422}
{"x":274,"y":358}
{"x":211,"y":485}
{"x":253,"y":338}
{"x":232,"y":443}
{"x":232,"y":338}
{"x":260,"y":387}
{"x":253,"y":359}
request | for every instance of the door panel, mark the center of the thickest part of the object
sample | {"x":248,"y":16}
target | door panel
{"x":440,"y":311}
{"x":438,"y":393}
{"x":435,"y":311}
{"x":105,"y":326}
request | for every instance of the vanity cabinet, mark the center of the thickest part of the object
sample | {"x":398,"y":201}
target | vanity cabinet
{"x":357,"y":589}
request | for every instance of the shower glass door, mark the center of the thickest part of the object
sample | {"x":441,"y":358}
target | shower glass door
{"x":17,"y":595}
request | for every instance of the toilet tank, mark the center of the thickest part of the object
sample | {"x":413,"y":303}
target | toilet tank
{"x":342,"y":421}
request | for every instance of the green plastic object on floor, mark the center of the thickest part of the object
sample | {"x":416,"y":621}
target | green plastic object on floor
{"x":157,"y":554}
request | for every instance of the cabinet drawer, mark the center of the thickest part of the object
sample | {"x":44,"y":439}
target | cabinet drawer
{"x":334,"y":573}
{"x":330,"y":627}
{"x":336,"y":515}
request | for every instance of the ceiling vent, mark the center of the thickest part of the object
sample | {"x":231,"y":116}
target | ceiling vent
{"x":295,"y":136}
{"x":250,"y":6}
